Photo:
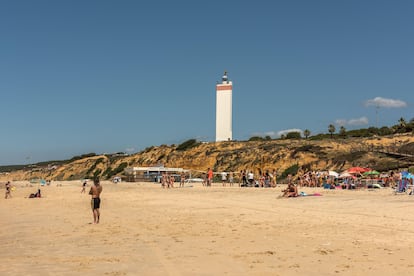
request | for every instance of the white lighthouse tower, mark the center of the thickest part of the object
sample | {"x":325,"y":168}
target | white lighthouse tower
{"x":224,"y":109}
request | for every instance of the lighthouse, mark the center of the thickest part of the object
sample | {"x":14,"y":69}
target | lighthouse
{"x":224,"y":109}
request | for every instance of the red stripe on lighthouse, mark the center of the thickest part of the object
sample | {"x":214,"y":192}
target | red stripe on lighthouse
{"x":223,"y":87}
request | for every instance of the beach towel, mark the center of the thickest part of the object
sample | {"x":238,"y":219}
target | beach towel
{"x":305,"y":194}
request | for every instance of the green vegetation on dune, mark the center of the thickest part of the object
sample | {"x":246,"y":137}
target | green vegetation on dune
{"x":385,"y":148}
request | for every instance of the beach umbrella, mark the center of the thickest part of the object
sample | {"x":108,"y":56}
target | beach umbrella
{"x":333,"y":173}
{"x":345,"y":175}
{"x":370,"y":173}
{"x":407,"y":175}
{"x":358,"y":170}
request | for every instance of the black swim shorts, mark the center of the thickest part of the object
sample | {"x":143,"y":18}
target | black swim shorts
{"x":96,"y":203}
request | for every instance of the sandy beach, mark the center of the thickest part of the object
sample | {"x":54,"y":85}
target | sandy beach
{"x":146,"y":230}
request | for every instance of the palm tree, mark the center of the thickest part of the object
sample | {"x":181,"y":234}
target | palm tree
{"x":331,"y":129}
{"x":400,"y":127}
{"x":342,"y":131}
{"x":306,"y":132}
{"x":402,"y":122}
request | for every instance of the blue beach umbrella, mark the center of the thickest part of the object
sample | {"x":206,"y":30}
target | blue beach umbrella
{"x":405,"y":174}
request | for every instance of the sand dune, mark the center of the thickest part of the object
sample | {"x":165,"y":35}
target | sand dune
{"x":146,"y":230}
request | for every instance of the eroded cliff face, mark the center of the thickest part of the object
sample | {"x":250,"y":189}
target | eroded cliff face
{"x":382,"y":153}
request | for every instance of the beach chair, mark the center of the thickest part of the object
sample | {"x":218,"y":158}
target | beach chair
{"x":410,"y":187}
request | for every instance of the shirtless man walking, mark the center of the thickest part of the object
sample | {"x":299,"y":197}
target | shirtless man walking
{"x":95,"y":192}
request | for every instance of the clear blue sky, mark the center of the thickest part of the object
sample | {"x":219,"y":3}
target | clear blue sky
{"x":107,"y":76}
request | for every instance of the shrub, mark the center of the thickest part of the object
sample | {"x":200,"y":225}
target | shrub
{"x":93,"y":167}
{"x":118,"y":170}
{"x":188,"y":145}
{"x":82,"y":156}
{"x":97,"y":173}
{"x":349,"y":157}
{"x":256,"y":138}
{"x":107,"y":172}
{"x":293,"y":135}
{"x":148,"y":149}
{"x":293,"y":170}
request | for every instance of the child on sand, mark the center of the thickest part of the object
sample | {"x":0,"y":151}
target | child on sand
{"x":83,"y":187}
{"x":8,"y":190}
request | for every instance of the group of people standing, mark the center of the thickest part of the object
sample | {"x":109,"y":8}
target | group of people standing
{"x":312,"y":179}
{"x":244,"y":178}
{"x":167,"y":181}
{"x":265,"y":179}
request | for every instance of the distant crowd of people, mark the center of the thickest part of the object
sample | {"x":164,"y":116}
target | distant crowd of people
{"x":265,"y":179}
{"x":247,"y":178}
{"x":243,"y":178}
{"x":323,"y":179}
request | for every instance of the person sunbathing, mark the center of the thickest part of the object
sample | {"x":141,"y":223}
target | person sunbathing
{"x":38,"y":194}
{"x":290,"y":191}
